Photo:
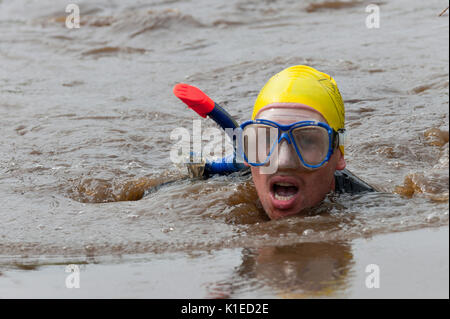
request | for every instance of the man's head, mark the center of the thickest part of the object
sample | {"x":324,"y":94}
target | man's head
{"x":304,"y":171}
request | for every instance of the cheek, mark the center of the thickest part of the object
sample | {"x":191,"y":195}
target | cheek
{"x":333,"y":162}
{"x":324,"y":177}
{"x":257,"y":178}
{"x":319,"y":182}
{"x":260,"y":181}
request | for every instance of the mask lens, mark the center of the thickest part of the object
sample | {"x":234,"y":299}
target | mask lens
{"x":258,"y":141}
{"x":313,"y":143}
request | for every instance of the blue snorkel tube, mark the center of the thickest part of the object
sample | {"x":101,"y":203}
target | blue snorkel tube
{"x":195,"y":99}
{"x":227,"y":164}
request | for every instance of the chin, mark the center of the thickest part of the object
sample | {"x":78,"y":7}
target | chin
{"x":277,"y":214}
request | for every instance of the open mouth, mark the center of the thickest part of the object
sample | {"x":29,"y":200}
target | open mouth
{"x":284,"y":191}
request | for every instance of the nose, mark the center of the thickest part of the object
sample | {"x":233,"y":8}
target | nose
{"x":287,"y":157}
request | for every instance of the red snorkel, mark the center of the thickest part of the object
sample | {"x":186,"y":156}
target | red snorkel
{"x":194,"y":98}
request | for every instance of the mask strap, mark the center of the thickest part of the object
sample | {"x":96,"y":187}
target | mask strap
{"x":342,"y":136}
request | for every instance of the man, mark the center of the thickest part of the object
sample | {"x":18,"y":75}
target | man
{"x":294,"y":143}
{"x":303,"y":109}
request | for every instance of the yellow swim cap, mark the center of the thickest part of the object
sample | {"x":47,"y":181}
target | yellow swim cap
{"x":305,"y":85}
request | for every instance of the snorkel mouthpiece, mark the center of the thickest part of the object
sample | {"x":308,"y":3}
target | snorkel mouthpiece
{"x":201,"y":103}
{"x":194,"y":98}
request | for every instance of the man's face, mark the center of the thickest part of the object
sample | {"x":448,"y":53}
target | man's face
{"x":293,"y":187}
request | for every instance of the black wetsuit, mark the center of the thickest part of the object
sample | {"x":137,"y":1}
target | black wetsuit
{"x":347,"y":182}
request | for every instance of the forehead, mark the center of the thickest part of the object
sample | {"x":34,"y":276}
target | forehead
{"x":292,"y":113}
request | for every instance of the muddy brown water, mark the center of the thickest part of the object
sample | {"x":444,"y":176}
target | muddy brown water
{"x":86,"y":116}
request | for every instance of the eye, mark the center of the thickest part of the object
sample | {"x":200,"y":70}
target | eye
{"x":312,"y":143}
{"x":258,"y":141}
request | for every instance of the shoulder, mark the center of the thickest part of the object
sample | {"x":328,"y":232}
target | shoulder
{"x":347,"y":182}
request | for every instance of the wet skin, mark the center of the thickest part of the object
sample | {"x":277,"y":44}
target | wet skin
{"x":311,"y":186}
